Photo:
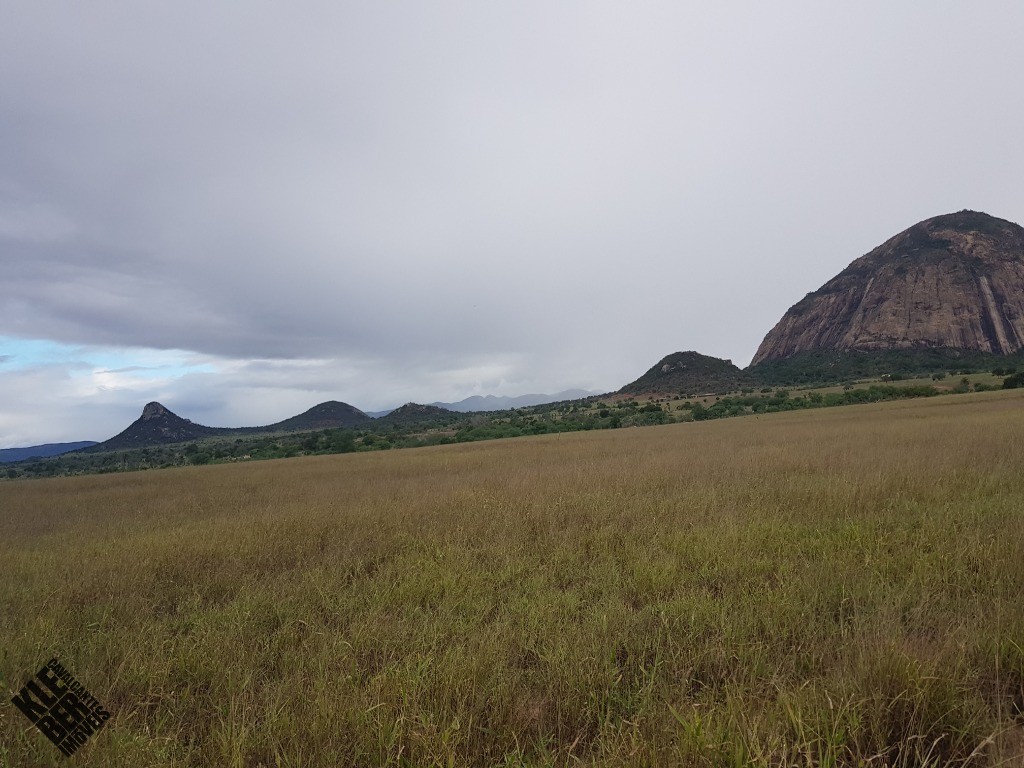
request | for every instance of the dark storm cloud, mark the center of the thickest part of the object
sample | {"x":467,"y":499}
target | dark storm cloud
{"x":562,"y":192}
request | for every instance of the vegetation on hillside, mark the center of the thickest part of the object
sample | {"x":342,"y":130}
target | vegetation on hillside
{"x":419,"y":426}
{"x":832,"y":367}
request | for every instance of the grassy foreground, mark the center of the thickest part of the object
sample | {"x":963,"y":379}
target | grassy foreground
{"x":831,"y":587}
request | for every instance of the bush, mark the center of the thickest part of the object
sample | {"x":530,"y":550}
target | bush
{"x":1014,"y":381}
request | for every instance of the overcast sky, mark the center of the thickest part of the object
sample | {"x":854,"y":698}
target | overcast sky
{"x":242,"y":210}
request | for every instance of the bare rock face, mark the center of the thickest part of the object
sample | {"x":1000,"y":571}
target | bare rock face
{"x":154,"y":410}
{"x":952,"y":282}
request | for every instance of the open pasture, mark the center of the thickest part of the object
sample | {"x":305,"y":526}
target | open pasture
{"x":830,"y":587}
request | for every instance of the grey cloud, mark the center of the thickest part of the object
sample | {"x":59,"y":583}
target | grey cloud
{"x":578,"y":188}
{"x":44,"y":404}
{"x":132,"y":369}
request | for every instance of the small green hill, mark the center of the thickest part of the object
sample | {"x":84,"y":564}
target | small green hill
{"x":687,"y":373}
{"x":329,"y":415}
{"x":415,"y":414}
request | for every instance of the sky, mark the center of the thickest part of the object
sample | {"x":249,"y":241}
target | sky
{"x":244,"y":210}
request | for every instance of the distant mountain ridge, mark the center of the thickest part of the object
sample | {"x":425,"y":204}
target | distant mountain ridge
{"x":483,"y":403}
{"x":503,"y":403}
{"x":41,"y":451}
{"x":159,"y":426}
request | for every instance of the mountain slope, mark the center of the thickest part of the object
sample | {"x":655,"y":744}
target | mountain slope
{"x":503,"y":403}
{"x":953,"y":282}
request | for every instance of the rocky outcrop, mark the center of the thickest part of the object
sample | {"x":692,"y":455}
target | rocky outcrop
{"x":952,"y":282}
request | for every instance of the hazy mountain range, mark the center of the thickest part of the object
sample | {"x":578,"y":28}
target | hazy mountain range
{"x":501,"y":402}
{"x":41,"y":451}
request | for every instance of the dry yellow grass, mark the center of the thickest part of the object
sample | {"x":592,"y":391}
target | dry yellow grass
{"x":831,"y":587}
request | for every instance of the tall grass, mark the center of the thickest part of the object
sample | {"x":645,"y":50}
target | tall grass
{"x":839,"y":587}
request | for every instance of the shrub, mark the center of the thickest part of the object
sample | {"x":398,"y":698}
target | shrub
{"x":1014,"y":381}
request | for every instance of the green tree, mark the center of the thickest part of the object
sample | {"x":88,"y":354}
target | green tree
{"x":342,"y":441}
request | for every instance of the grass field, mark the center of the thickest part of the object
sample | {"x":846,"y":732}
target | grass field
{"x":830,"y":587}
